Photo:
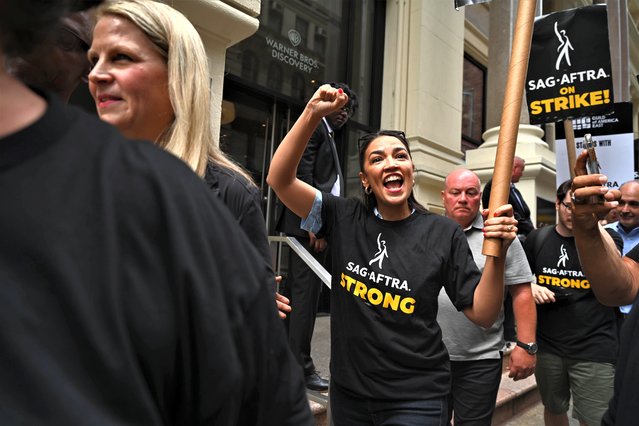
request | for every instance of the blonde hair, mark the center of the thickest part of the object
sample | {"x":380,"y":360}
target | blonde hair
{"x":190,"y":135}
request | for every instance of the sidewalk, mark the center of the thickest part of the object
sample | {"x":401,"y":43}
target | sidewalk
{"x":321,"y":344}
{"x":534,"y":416}
{"x":320,"y":351}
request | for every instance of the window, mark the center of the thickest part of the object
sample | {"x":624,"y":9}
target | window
{"x":249,"y":65}
{"x":299,"y":45}
{"x":274,"y":76}
{"x":320,"y":40}
{"x":298,"y":87}
{"x":275,"y":16}
{"x":301,"y":25}
{"x":473,"y":104}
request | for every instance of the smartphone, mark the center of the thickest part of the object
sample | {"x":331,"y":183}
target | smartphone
{"x":592,"y":165}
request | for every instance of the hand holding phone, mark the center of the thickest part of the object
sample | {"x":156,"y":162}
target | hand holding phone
{"x":592,"y":164}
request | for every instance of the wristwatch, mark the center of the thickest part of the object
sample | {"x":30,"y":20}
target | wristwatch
{"x":531,"y":348}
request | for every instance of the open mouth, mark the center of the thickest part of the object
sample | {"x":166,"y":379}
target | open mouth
{"x":393,"y":183}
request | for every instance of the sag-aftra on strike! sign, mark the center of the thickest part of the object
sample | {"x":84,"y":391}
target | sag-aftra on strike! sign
{"x":569,"y":73}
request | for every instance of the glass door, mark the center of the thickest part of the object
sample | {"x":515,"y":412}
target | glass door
{"x":252,"y":127}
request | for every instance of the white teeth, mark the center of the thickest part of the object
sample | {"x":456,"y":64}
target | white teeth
{"x":392,"y":178}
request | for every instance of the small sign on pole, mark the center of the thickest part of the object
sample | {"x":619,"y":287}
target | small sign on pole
{"x":569,"y":72}
{"x":613,"y":138}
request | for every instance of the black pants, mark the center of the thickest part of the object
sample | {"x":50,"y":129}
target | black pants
{"x":304,"y":293}
{"x":474,"y":391}
{"x":351,"y":410}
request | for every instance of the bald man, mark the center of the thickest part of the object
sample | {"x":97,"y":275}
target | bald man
{"x":627,"y":225}
{"x":475,"y":352}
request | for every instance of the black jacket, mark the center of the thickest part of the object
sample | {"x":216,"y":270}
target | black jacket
{"x":521,"y":210}
{"x":319,"y":168}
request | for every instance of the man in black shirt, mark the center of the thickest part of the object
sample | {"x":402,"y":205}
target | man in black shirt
{"x":320,"y":168}
{"x":577,"y":335}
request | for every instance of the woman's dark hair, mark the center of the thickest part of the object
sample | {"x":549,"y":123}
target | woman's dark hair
{"x":563,"y":190}
{"x":369,"y":199}
{"x":25,"y":23}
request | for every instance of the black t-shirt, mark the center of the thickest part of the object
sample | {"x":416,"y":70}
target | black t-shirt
{"x":128,"y":294}
{"x":623,"y":406}
{"x":244,"y":202}
{"x":385,"y":340}
{"x":576,"y":326}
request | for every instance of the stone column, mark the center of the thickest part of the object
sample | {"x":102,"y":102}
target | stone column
{"x":221,"y":24}
{"x":538,"y":179}
{"x":503,"y":14}
{"x":423,"y":82}
{"x":539,"y":176}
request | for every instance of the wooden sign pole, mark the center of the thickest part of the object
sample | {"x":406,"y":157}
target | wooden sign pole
{"x":570,"y":146}
{"x":511,"y":111}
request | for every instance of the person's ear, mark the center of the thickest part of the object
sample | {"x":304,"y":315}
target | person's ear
{"x":363,"y":179}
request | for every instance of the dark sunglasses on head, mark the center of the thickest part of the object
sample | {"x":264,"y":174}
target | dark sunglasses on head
{"x":364,"y":139}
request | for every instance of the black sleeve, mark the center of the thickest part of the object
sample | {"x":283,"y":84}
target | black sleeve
{"x":210,"y":252}
{"x":243,"y":200}
{"x":485,"y":196}
{"x":529,"y":248}
{"x":616,"y":238}
{"x":273,"y":391}
{"x":189,"y":302}
{"x":251,"y":220}
{"x":306,"y":168}
{"x":634,"y":253}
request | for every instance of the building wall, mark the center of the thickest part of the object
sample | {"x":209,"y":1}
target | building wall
{"x":422,"y":87}
{"x":423,"y":80}
{"x":234,"y":21}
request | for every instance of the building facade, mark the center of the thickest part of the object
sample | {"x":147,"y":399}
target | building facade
{"x":420,"y":66}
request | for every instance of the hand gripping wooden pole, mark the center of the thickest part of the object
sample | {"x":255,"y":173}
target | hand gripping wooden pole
{"x":511,"y":111}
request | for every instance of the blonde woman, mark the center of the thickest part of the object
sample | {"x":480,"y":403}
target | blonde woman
{"x":158,"y":90}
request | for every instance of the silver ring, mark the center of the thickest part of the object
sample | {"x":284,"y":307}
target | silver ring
{"x":576,"y":200}
{"x":510,"y":228}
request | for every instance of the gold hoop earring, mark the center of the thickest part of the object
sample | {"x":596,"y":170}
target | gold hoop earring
{"x":368,"y":190}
